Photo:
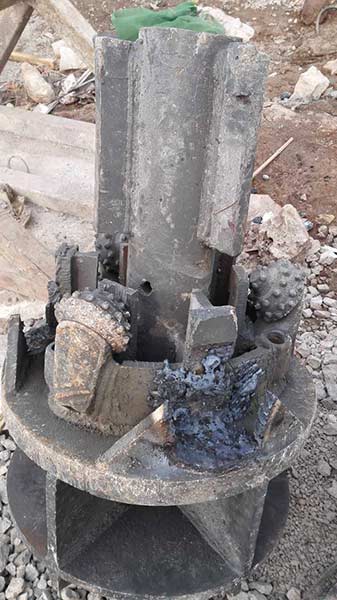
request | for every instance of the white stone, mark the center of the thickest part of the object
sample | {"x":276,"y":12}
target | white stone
{"x":5,"y":524}
{"x":303,"y":351}
{"x":327,"y":258}
{"x":323,"y":287}
{"x":31,"y":573}
{"x":46,"y":595}
{"x":331,"y":67}
{"x":323,"y":231}
{"x":330,"y":429}
{"x":37,"y":88}
{"x":69,"y":60}
{"x":324,"y":468}
{"x":314,"y":362}
{"x":330,"y":359}
{"x":314,"y":246}
{"x":15,"y":588}
{"x":316,"y":302}
{"x":330,"y":378}
{"x":310,"y":85}
{"x":320,"y":390}
{"x":57,"y":47}
{"x":326,"y":344}
{"x":322,"y":314}
{"x":233,"y":26}
{"x":313,"y":291}
{"x":307,"y":313}
{"x":293,"y":594}
{"x":331,"y":302}
{"x":260,"y":205}
{"x":289,"y":236}
{"x":255,"y":595}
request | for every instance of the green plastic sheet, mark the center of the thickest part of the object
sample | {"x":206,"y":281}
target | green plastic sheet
{"x":128,"y":21}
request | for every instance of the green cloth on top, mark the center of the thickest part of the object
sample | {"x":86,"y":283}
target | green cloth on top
{"x":128,"y":21}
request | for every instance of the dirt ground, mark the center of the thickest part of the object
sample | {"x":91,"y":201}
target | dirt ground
{"x":306,"y":174}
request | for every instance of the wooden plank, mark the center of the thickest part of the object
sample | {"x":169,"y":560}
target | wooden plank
{"x":7,"y":3}
{"x":52,"y":160}
{"x":13,"y":20}
{"x":78,"y":136}
{"x":63,"y":195}
{"x":70,"y":24}
{"x":32,"y":59}
{"x":25,"y":265}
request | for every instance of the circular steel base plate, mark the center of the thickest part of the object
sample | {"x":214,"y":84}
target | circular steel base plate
{"x":148,"y":552}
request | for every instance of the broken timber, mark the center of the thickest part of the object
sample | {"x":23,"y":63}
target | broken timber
{"x":25,"y":265}
{"x":13,"y":20}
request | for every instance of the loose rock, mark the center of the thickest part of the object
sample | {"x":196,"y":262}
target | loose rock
{"x":331,"y":67}
{"x":332,"y":490}
{"x":310,"y":86}
{"x":70,"y":594}
{"x":31,"y":573}
{"x":290,"y":238}
{"x":4,"y":553}
{"x":233,"y":26}
{"x":260,"y":205}
{"x":316,"y":302}
{"x":239,"y":596}
{"x":324,"y":468}
{"x":330,"y":379}
{"x":313,"y":362}
{"x":69,"y":60}
{"x":15,"y":588}
{"x":294,"y":594}
{"x":328,"y":257}
{"x":37,"y":88}
{"x":255,"y":595}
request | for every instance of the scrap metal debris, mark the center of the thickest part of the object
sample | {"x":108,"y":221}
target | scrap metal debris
{"x":217,"y":415}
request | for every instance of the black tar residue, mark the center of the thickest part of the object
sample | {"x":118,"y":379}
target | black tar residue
{"x":216,"y":417}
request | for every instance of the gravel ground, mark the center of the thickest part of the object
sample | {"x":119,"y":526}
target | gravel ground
{"x":304,"y":563}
